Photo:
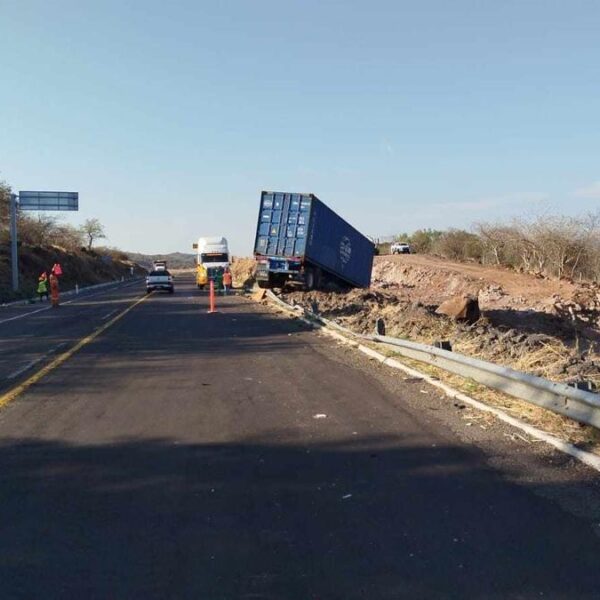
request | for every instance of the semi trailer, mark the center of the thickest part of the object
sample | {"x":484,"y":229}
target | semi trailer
{"x":300,"y":240}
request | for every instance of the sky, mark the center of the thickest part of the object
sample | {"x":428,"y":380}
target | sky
{"x":169,"y":118}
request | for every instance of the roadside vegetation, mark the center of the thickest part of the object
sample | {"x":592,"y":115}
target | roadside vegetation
{"x":44,"y":240}
{"x":552,"y":246}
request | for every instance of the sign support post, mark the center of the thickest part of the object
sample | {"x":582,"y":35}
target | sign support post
{"x":14,"y":257}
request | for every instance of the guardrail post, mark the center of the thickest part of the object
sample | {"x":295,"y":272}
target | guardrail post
{"x":76,"y":288}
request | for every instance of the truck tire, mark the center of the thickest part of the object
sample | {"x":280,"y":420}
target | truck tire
{"x":309,"y":279}
{"x":312,"y":278}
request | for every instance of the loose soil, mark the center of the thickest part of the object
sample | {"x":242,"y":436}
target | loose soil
{"x":545,"y":327}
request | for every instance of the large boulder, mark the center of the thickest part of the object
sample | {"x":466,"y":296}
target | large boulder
{"x":460,"y":308}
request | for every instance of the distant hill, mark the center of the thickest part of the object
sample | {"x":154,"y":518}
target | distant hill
{"x":175,"y":260}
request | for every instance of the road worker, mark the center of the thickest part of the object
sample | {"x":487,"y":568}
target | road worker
{"x":227,"y":281}
{"x":54,"y":293}
{"x":218,"y":279}
{"x":42,"y":288}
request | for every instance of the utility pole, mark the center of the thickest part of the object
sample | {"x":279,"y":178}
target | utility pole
{"x":13,"y":243}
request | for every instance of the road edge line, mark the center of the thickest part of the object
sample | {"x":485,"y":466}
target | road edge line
{"x":15,"y":392}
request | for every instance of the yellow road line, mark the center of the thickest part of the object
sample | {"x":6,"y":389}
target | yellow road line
{"x":59,"y":360}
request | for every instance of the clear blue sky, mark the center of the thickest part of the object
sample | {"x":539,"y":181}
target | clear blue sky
{"x":170,"y":117}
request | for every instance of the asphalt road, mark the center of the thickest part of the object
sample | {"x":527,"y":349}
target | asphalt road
{"x":178,"y":455}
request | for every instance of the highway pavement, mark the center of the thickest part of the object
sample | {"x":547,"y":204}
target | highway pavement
{"x":240,"y":455}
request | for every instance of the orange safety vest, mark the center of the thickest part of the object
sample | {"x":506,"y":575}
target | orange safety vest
{"x":227,"y":278}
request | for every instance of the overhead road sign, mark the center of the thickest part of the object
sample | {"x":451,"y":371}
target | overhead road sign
{"x":48,"y":200}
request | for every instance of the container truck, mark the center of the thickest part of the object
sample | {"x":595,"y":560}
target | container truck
{"x":212,"y":254}
{"x":300,"y":240}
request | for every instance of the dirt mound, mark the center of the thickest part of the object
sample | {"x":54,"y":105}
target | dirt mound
{"x":242,"y":271}
{"x":432,"y":281}
{"x":438,"y":284}
{"x":582,"y":307}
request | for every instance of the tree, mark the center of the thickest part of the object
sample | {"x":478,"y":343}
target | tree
{"x":422,"y":240}
{"x":93,"y":230}
{"x":37,"y":231}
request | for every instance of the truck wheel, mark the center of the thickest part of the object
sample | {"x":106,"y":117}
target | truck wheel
{"x":309,"y":279}
{"x":312,"y":278}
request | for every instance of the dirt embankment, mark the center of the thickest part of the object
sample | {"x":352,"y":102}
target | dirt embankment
{"x":81,"y":268}
{"x":242,"y":272}
{"x":544,"y":327}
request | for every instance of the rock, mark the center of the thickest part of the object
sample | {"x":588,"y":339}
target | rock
{"x":460,"y":308}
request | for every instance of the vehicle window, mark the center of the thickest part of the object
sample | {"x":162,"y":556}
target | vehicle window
{"x":213,"y":258}
{"x":159,"y":273}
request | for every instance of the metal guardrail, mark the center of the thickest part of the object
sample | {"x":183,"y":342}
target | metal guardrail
{"x":560,"y":398}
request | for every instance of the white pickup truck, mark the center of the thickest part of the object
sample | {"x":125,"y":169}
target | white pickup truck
{"x":159,"y":280}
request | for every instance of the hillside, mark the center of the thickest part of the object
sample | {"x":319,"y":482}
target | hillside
{"x":79,"y":267}
{"x":175,"y":260}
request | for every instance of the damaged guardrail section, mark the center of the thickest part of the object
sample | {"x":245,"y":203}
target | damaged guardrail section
{"x":560,"y":398}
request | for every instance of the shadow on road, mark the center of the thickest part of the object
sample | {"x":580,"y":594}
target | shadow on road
{"x":366,"y":518}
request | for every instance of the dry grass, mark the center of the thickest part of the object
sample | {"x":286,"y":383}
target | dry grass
{"x":583,"y":436}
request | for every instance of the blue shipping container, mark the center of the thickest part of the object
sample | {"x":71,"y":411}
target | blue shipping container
{"x":300,"y":226}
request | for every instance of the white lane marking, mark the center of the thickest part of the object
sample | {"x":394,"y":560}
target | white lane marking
{"x":33,"y":312}
{"x":22,"y":370}
{"x":34,"y":362}
{"x":112,"y":312}
{"x":83,"y":297}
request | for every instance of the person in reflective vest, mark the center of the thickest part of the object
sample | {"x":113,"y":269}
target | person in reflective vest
{"x":54,"y":293}
{"x":42,"y":288}
{"x":227,"y":281}
{"x":218,"y":277}
{"x":57,"y":269}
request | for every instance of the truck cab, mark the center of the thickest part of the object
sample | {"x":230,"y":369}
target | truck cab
{"x":212,"y":255}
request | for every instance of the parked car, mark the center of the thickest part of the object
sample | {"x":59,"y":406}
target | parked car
{"x":400,"y":248}
{"x":159,"y":280}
